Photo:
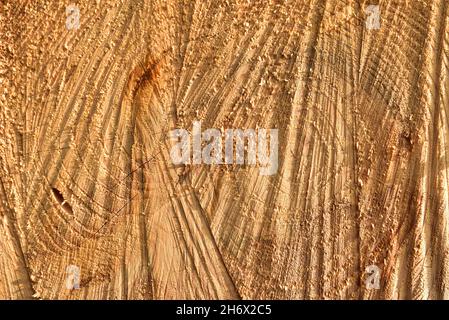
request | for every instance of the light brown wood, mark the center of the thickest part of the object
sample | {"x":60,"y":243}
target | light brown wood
{"x":87,"y":179}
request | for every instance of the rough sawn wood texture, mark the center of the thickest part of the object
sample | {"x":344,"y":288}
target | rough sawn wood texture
{"x":87,"y":179}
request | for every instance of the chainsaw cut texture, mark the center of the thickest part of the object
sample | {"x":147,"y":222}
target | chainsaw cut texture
{"x":86,"y":177}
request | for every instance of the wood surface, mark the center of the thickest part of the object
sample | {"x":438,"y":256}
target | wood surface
{"x":86,"y":175}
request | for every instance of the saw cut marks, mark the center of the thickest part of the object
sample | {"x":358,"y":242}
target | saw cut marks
{"x":86,"y":179}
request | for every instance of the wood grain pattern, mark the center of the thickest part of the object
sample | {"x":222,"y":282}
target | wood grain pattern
{"x":86,"y":175}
